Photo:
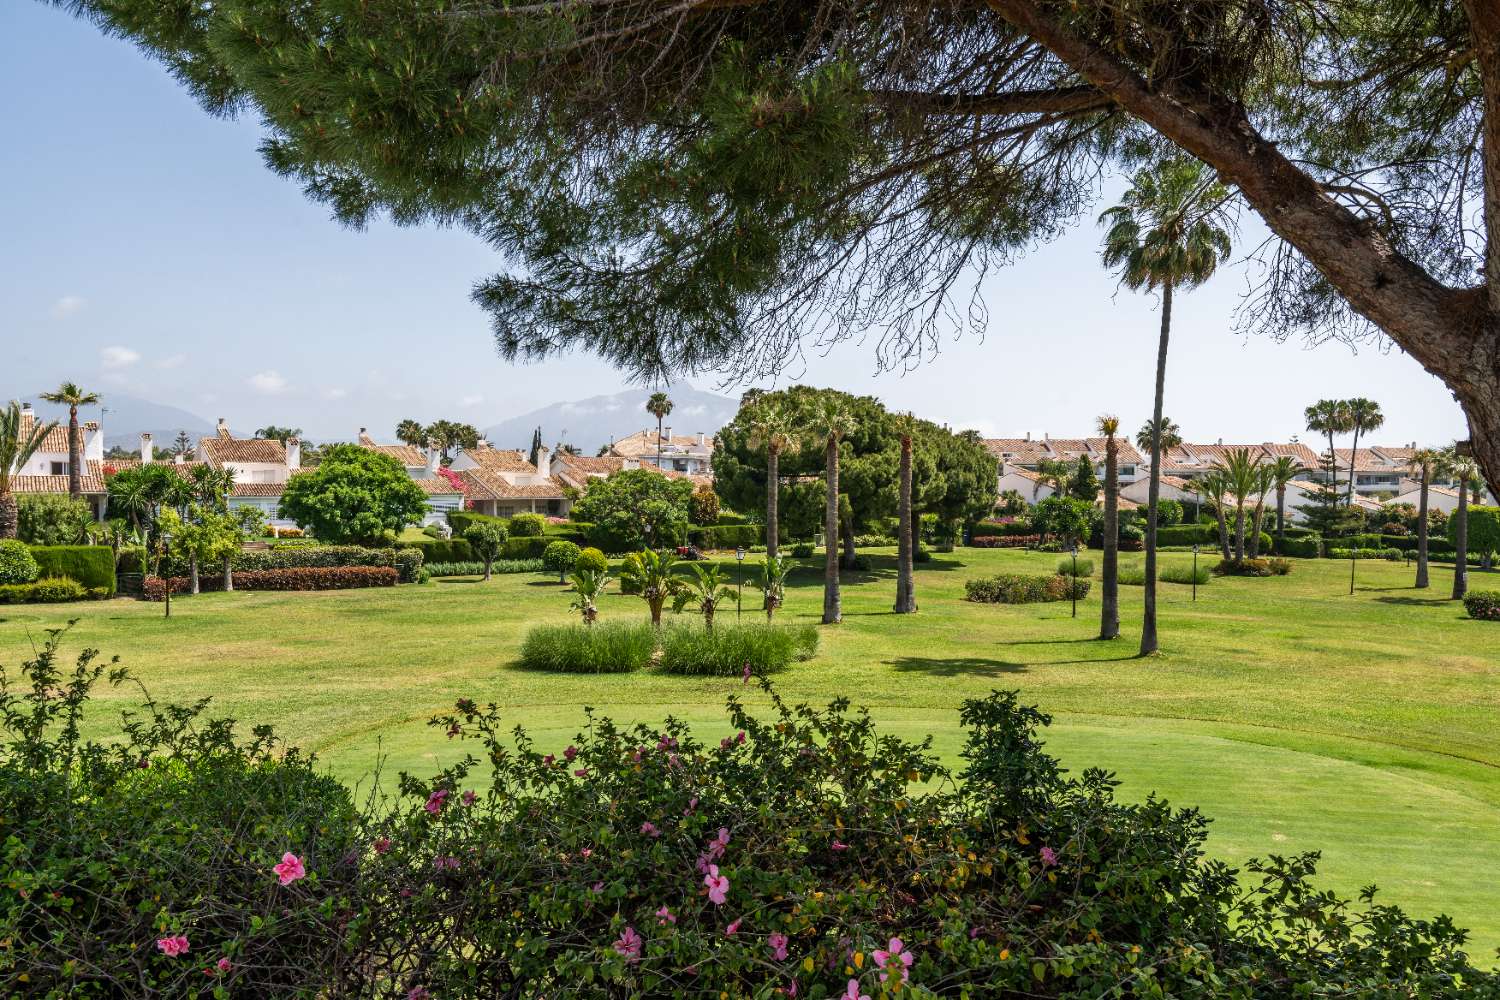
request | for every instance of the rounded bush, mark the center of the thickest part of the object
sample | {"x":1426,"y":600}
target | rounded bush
{"x":1065,"y":567}
{"x":560,"y":557}
{"x":16,"y":563}
{"x":802,"y":550}
{"x":592,"y":559}
{"x":527,"y":526}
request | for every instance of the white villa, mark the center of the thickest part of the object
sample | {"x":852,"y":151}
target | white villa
{"x":47,"y":471}
{"x":692,"y":454}
{"x":1027,"y":454}
{"x":423,"y":466}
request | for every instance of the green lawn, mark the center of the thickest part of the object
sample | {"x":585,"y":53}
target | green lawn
{"x":1295,"y":715}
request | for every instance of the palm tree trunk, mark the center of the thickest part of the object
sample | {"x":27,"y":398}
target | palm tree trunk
{"x":904,"y":605}
{"x":1353,"y":461}
{"x":832,"y":612}
{"x":1109,"y":615}
{"x":773,"y":487}
{"x":846,"y":535}
{"x":9,"y":514}
{"x":1149,"y":642}
{"x":1422,"y":581}
{"x":1461,"y":542}
{"x":193,"y":587}
{"x":1255,"y":522}
{"x":1239,"y":530}
{"x":1280,"y":516}
{"x":228,"y":573}
{"x":75,"y":454}
{"x":1223,"y":530}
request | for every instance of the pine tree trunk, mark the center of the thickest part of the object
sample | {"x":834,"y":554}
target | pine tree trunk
{"x":773,"y":488}
{"x":75,"y":455}
{"x":1422,"y":580}
{"x":1461,"y":543}
{"x":832,"y":611}
{"x":904,"y":560}
{"x":228,"y":573}
{"x":1149,"y":642}
{"x":1109,"y":615}
{"x":9,"y":514}
{"x":193,"y":572}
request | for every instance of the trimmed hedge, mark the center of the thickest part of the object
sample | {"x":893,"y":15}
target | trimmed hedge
{"x":725,"y":536}
{"x":132,"y":559}
{"x":528,"y":526}
{"x":525,"y":547}
{"x":1023,"y":588}
{"x":49,"y":590}
{"x":1000,"y":529}
{"x":1483,"y":605}
{"x":1065,"y":567}
{"x":301,"y":578}
{"x":1303,"y":547}
{"x":440,"y":550}
{"x":604,"y":648}
{"x":727,"y":650}
{"x":1252,"y":567}
{"x":461,"y":520}
{"x":1003,"y":541}
{"x":1188,"y":534}
{"x":91,"y":565}
{"x":477,"y":568}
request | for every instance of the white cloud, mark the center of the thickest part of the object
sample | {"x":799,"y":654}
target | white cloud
{"x":474,"y":400}
{"x":118,"y":357}
{"x":171,"y":361}
{"x":269,"y":382}
{"x":335,"y":393}
{"x":66,"y":306}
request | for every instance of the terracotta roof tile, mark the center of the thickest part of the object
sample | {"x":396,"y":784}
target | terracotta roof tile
{"x":92,"y":481}
{"x":438,"y":486}
{"x":408,"y":455}
{"x":499,"y":460}
{"x":218,"y":450}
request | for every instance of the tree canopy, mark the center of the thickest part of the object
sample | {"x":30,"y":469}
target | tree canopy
{"x":354,"y":495}
{"x":623,"y":506}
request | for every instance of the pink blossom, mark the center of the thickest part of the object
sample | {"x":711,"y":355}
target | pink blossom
{"x":629,"y":945}
{"x":666,"y":743}
{"x":382,"y":845}
{"x":649,"y":829}
{"x":1049,"y":856}
{"x":587,"y":852}
{"x":778,"y":943}
{"x":664,"y":916}
{"x":173,"y":946}
{"x":549,"y":760}
{"x":839,"y":845}
{"x":290,"y":869}
{"x":893,"y":958}
{"x":223,"y":965}
{"x":582,"y":772}
{"x":740,"y":736}
{"x":418,"y":993}
{"x":726,"y":743}
{"x":718,"y":885}
{"x":469,"y":798}
{"x":570,"y":753}
{"x":635,"y":758}
{"x":435,"y":801}
{"x":692,"y":804}
{"x":791,"y":989}
{"x":443,"y":861}
{"x":853,"y":993}
{"x":733,"y":927}
{"x":597,"y":888}
{"x":673,"y":760}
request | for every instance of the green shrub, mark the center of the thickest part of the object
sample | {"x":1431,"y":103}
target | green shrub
{"x":1084,"y":567}
{"x":1248,"y":567}
{"x":1301,"y":546}
{"x":921,"y":555}
{"x":1186,"y":534}
{"x":802,"y":550}
{"x":461,"y":520}
{"x":561,"y":557}
{"x":528,"y":525}
{"x":1022,"y":588}
{"x":726,"y":650}
{"x":603,"y":648}
{"x":727,"y":517}
{"x":477,"y":568}
{"x":1181,"y":574}
{"x":48,"y":590}
{"x":437,"y":550}
{"x":131,"y":559}
{"x":91,"y":565}
{"x":1279,"y":567}
{"x":525,"y":547}
{"x":1133,"y":576}
{"x":304,"y":578}
{"x":724,"y":536}
{"x":591,"y":559}
{"x":52,"y":519}
{"x":1483,"y":605}
{"x":17,"y":564}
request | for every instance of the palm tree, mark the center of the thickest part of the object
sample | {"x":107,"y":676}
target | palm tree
{"x":709,"y":588}
{"x":652,"y":575}
{"x":772,"y":583}
{"x":1364,"y":415}
{"x":771,"y":428}
{"x":271,"y":432}
{"x":906,"y":598}
{"x":73,"y":397}
{"x":1242,"y":475}
{"x":411,"y":432}
{"x":658,"y":406}
{"x":1264,"y":480}
{"x":830,"y":419}
{"x":1282,"y":471}
{"x":1171,"y":435}
{"x":16,"y":448}
{"x":1055,"y":473}
{"x":1163,"y":235}
{"x":589,"y":584}
{"x":1109,"y":616}
{"x":1330,"y":417}
{"x":1425,"y":464}
{"x":1466,"y":471}
{"x":1215,"y":484}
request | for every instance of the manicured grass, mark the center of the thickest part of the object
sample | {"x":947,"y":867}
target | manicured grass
{"x":1296,"y":716}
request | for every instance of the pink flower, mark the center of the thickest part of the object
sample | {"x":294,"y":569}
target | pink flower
{"x":692,"y":804}
{"x":629,"y":944}
{"x":733,"y":927}
{"x":382,"y":845}
{"x":726,"y":743}
{"x":649,"y":829}
{"x":173,"y":946}
{"x":666,"y":743}
{"x":290,"y":869}
{"x":445,"y":861}
{"x":718,"y":885}
{"x":587,"y":852}
{"x":778,"y":943}
{"x":418,"y":993}
{"x":791,"y":989}
{"x":895,"y":959}
{"x":549,"y":760}
{"x":223,"y":965}
{"x":597,"y":888}
{"x":570,"y":753}
{"x":435,"y":801}
{"x":1049,"y":857}
{"x":582,"y":772}
{"x":664,"y":916}
{"x":853,"y":993}
{"x":740,"y":736}
{"x":839,"y":845}
{"x":469,"y":798}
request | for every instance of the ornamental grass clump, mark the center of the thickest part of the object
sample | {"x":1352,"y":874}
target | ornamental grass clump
{"x":728,"y":649}
{"x":604,"y":648}
{"x":1084,"y":567}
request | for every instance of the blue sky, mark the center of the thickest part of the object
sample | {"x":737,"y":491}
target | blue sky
{"x":148,"y":251}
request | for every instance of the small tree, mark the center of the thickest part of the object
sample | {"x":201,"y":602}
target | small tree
{"x":562,"y":556}
{"x":1064,"y":517}
{"x":1084,"y":482}
{"x":16,"y":449}
{"x":771,"y":582}
{"x":589,"y":585}
{"x":486,"y":538}
{"x":708,"y":587}
{"x":649,"y":574}
{"x":355,"y":495}
{"x":704,"y":506}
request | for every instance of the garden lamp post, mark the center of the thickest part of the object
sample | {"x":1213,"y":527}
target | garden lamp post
{"x":1073,"y":589}
{"x":739,"y":592}
{"x":1353,"y":561}
{"x":166,"y":551}
{"x":1195,"y":572}
{"x":648,"y":537}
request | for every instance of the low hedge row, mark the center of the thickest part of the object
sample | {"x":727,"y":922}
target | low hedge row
{"x":477,"y":568}
{"x":1135,"y":576}
{"x":1024,"y":588}
{"x":1003,"y":541}
{"x":1303,"y":546}
{"x":1483,"y":605}
{"x":51,"y":590}
{"x":1390,"y":555}
{"x":93,"y":566}
{"x":725,"y":536}
{"x":603,"y":648}
{"x":302,"y":578}
{"x":407,"y":561}
{"x":1000,"y":529}
{"x":440,"y":550}
{"x":1252,"y":567}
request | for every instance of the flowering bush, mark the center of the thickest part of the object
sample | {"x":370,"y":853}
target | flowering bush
{"x":1483,"y":605}
{"x":1003,"y":541}
{"x":302,"y":578}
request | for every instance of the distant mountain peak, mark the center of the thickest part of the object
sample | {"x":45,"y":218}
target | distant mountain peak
{"x":590,"y":423}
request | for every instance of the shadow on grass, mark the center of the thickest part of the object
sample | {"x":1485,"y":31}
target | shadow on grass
{"x":957,"y":666}
{"x":1420,"y":602}
{"x":443,"y":580}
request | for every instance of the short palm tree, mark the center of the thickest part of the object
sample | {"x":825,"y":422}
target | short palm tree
{"x":73,"y":397}
{"x":1364,"y":416}
{"x":1265,"y":479}
{"x":1426,"y":463}
{"x":1109,"y":616}
{"x":589,"y":585}
{"x":831,"y":420}
{"x":1215,"y":485}
{"x":1466,"y":470}
{"x":16,"y":448}
{"x":1241,"y":473}
{"x":772,"y":582}
{"x":906,"y":540}
{"x":1282,"y":472}
{"x":771,"y":428}
{"x":1165,"y":234}
{"x":1171,"y":435}
{"x":708,"y":587}
{"x":658,"y":406}
{"x":411,"y":432}
{"x":651,"y":575}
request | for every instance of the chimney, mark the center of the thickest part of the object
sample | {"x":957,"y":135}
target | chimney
{"x":666,"y":432}
{"x":223,"y":430}
{"x":702,"y":439}
{"x":544,"y":461}
{"x":434,"y":461}
{"x":25,"y":407}
{"x":1221,"y":442}
{"x":147,"y":453}
{"x":293,"y":453}
{"x":1028,"y":435}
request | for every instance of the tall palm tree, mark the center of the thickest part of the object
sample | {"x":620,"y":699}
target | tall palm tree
{"x":771,"y":428}
{"x":830,"y":419}
{"x":1282,"y":471}
{"x":1364,"y":415}
{"x":1466,"y":471}
{"x":1109,"y":615}
{"x":1241,"y":472}
{"x":1264,"y":480}
{"x":1171,"y":435}
{"x":1215,"y":485}
{"x":1164,"y":234}
{"x":906,"y":542}
{"x":658,"y":406}
{"x":16,"y":448}
{"x":73,"y":397}
{"x":1426,"y":463}
{"x":1330,"y":417}
{"x":411,"y":432}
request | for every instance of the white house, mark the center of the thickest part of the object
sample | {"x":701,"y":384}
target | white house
{"x":502,"y":482}
{"x":424,"y":467}
{"x":690,"y":454}
{"x":260,"y":466}
{"x":1025,"y":482}
{"x":1029,"y":453}
{"x":47,"y":470}
{"x":1171,"y":488}
{"x":1443,"y":498}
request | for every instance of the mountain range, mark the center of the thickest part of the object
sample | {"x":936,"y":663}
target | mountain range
{"x":598,"y":420}
{"x":125,"y":417}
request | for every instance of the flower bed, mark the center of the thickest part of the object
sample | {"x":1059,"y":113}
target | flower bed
{"x":1483,"y":605}
{"x":1003,"y":541}
{"x":302,"y":578}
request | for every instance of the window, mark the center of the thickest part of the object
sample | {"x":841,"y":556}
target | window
{"x":59,"y":468}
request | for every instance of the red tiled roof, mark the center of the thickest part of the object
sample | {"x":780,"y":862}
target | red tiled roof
{"x":644,"y":443}
{"x":485,"y":485}
{"x":219,"y":449}
{"x":92,"y":481}
{"x":499,"y":459}
{"x":56,"y":440}
{"x":438,"y":486}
